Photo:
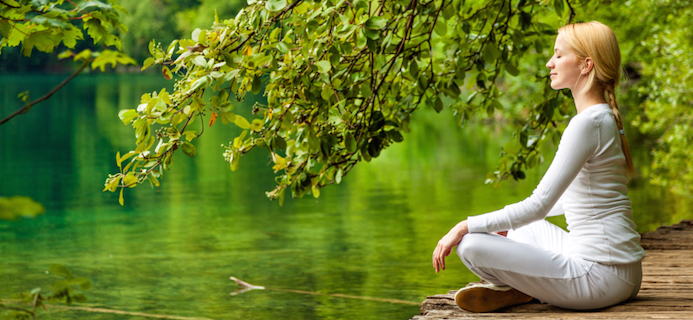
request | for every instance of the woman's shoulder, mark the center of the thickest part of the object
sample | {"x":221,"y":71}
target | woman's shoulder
{"x":592,"y":116}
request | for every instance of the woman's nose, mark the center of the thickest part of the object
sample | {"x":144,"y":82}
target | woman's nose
{"x":549,"y":64}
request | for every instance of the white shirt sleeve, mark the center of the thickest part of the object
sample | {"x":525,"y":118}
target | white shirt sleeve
{"x":578,"y":144}
{"x":557,"y":209}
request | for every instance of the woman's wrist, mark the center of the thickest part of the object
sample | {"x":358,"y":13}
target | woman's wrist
{"x":461,"y":228}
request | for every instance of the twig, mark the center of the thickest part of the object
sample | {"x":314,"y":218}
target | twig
{"x":48,"y":95}
{"x":572,"y":12}
{"x":247,"y":287}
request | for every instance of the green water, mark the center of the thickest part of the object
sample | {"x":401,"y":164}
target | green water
{"x":171,"y":251}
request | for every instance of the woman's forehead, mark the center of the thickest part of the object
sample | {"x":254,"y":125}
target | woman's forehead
{"x":560,"y":44}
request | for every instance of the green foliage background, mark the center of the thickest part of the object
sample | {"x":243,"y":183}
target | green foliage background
{"x":655,"y":38}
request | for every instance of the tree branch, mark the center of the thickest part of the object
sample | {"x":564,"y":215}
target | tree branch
{"x":48,"y":95}
{"x":7,"y":4}
{"x":572,"y":12}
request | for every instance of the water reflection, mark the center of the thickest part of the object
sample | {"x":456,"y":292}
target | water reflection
{"x":171,"y":250}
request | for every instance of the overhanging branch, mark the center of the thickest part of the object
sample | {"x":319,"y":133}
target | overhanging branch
{"x":48,"y":95}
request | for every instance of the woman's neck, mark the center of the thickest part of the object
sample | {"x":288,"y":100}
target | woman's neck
{"x":583,"y":100}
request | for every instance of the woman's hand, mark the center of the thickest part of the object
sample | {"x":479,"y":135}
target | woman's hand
{"x":446,"y":244}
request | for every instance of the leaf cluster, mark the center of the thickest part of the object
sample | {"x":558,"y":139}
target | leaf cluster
{"x":661,"y":78}
{"x":342,"y":80}
{"x":45,"y":24}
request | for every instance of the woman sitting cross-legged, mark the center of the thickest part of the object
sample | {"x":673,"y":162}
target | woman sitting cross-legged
{"x":597,"y":263}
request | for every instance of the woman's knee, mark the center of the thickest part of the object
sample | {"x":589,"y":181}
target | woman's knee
{"x":472,"y":245}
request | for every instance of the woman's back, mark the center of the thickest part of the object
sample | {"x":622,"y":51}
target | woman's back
{"x":596,"y":205}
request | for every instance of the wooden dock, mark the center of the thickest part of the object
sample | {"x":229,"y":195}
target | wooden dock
{"x":666,"y":292}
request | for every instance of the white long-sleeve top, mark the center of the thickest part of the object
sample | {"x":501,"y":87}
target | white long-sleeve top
{"x":588,"y":176}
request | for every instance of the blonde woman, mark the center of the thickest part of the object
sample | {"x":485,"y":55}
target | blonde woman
{"x":597,"y":263}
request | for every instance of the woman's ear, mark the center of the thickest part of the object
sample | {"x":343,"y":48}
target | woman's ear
{"x":587,"y":66}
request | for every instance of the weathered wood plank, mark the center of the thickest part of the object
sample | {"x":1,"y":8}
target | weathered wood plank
{"x":666,"y":291}
{"x":563,"y":316}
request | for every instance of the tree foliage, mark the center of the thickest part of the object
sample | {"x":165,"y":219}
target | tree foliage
{"x":342,"y":80}
{"x":161,"y":20}
{"x":46,"y":25}
{"x":661,"y":99}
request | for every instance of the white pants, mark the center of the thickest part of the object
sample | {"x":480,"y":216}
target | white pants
{"x":531,"y":260}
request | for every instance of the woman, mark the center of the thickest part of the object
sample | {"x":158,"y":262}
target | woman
{"x":596,"y":264}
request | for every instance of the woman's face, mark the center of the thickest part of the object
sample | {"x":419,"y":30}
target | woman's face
{"x":564,"y":65}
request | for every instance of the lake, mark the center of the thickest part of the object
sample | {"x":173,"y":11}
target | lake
{"x":171,"y":250}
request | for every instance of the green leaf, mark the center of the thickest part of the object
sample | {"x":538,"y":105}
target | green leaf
{"x":242,"y":122}
{"x":438,"y":105}
{"x":323,"y":66}
{"x":199,"y":61}
{"x":257,"y":85}
{"x":84,"y":55}
{"x":282,"y":47}
{"x":130,"y":180}
{"x":113,"y":57}
{"x":120,"y":160}
{"x":511,"y":69}
{"x":375,"y":23}
{"x":147,"y":63}
{"x":275,"y":5}
{"x":414,"y":69}
{"x":195,"y":35}
{"x":65,"y":54}
{"x":127,"y":115}
{"x":346,"y":31}
{"x":93,"y":4}
{"x":471,"y":97}
{"x":188,"y":149}
{"x":491,"y":52}
{"x":374,"y":147}
{"x":350,"y":142}
{"x":519,"y":175}
{"x":396,"y":136}
{"x":539,"y":46}
{"x":96,"y":30}
{"x":61,"y":270}
{"x":49,"y":22}
{"x":199,"y":83}
{"x":558,"y":5}
{"x":338,"y":176}
{"x":42,"y":40}
{"x":441,"y":27}
{"x":316,"y":191}
{"x":361,"y":39}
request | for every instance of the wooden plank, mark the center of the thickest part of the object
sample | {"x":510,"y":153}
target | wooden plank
{"x":553,"y":316}
{"x":666,"y":291}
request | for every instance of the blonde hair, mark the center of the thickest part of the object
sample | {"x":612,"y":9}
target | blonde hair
{"x":597,"y":41}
